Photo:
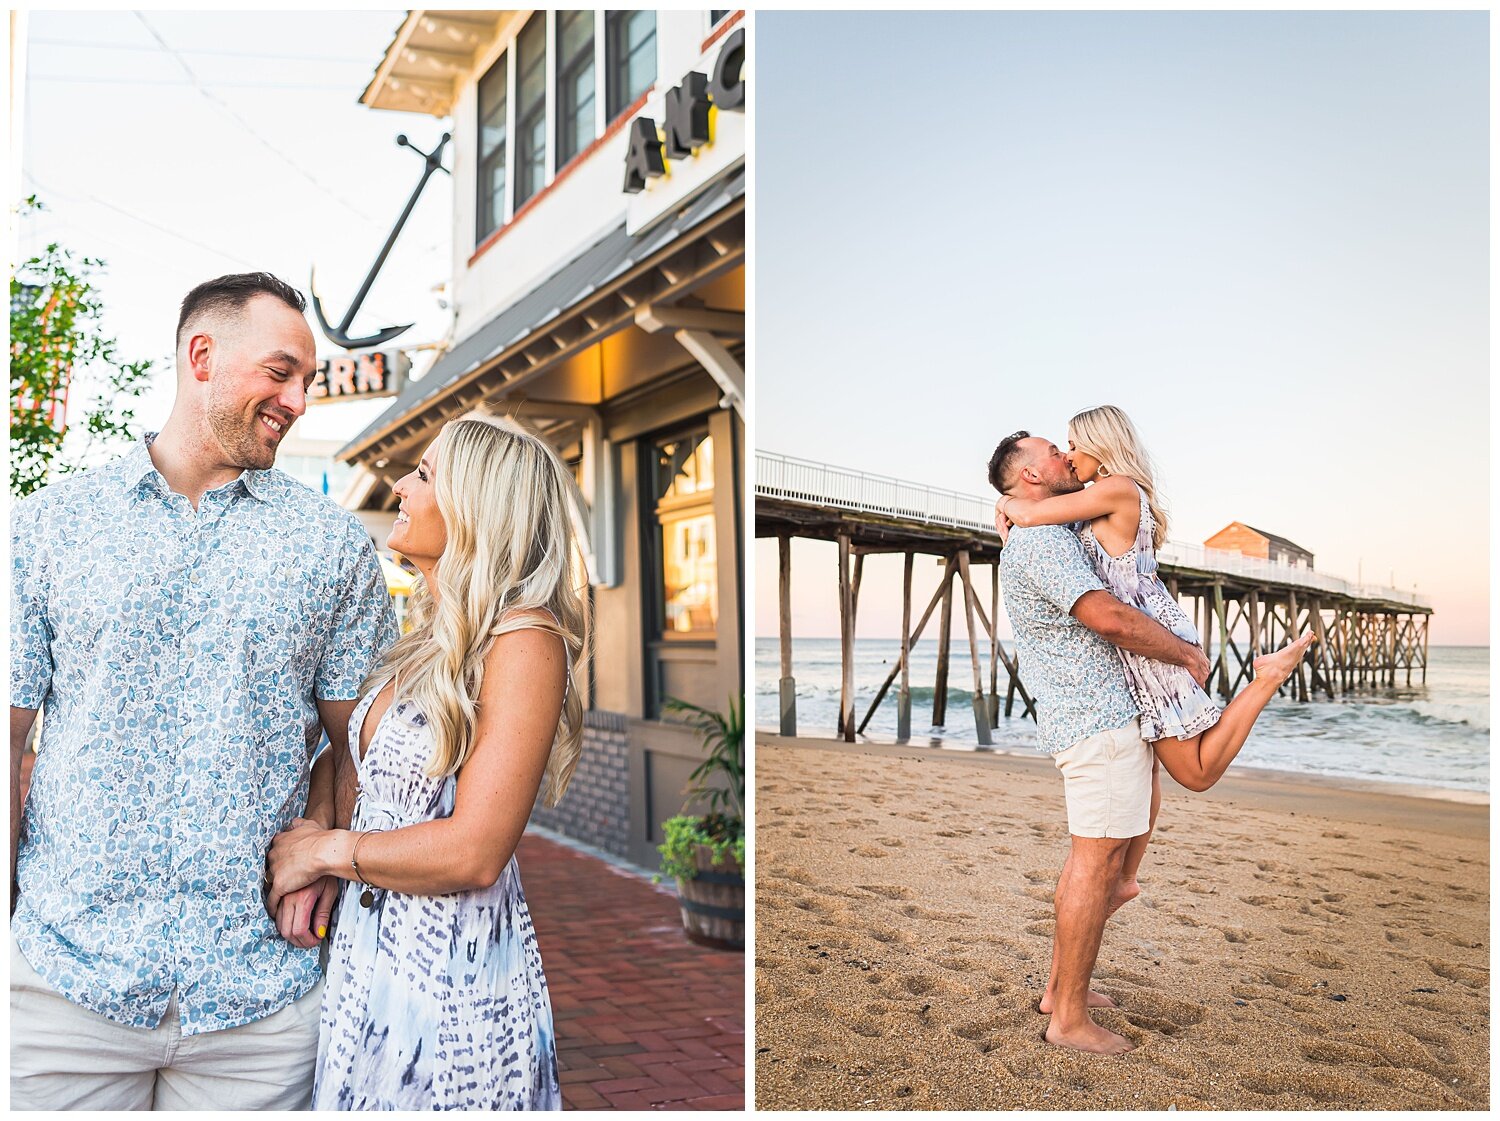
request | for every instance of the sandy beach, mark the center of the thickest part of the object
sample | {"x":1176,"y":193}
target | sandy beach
{"x":1296,"y":945}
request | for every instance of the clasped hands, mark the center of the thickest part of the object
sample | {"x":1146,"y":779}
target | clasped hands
{"x":300,"y":895}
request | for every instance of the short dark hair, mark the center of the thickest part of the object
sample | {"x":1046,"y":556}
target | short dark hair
{"x":1003,"y":462}
{"x":232,"y":292}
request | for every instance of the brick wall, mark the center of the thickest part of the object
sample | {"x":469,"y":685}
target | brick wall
{"x":596,"y":807}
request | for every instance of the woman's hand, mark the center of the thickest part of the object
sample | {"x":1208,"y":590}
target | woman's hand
{"x":1002,"y":523}
{"x":298,"y":858}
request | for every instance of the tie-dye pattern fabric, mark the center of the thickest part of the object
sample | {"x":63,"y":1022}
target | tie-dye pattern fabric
{"x":1172,"y":704}
{"x":176,"y":654}
{"x":437,"y":1001}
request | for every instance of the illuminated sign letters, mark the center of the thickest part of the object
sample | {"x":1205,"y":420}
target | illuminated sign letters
{"x":686,"y":112}
{"x":349,"y":377}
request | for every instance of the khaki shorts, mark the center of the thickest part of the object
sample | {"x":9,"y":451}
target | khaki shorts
{"x":1107,"y":784}
{"x":63,"y":1056}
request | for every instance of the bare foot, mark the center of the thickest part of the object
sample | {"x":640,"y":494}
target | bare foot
{"x":1124,"y":892}
{"x":1276,"y":668}
{"x":1089,"y":1036}
{"x":1095,"y":1000}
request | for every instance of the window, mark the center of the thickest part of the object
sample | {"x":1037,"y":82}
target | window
{"x":575,"y":83}
{"x":715,"y":17}
{"x":492,"y":106}
{"x":531,"y":108}
{"x":688,"y":584}
{"x":630,"y":57}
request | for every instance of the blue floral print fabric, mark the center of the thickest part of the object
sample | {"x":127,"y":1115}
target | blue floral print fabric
{"x":1074,"y":676}
{"x":177,"y":655}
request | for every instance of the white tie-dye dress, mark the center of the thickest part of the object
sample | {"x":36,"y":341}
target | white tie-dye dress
{"x":1171,"y":703}
{"x":431,"y":1001}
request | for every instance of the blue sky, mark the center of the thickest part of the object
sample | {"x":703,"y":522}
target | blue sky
{"x":1264,"y":235}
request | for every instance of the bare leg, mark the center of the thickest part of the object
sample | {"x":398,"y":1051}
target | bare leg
{"x":1135,"y":852}
{"x":1082,"y":895}
{"x":1200,"y":762}
{"x":1095,"y":999}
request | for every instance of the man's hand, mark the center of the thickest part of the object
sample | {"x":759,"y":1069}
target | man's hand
{"x":1201,"y":668}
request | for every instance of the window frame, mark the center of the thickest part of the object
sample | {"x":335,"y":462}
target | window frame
{"x":528,"y":117}
{"x":618,"y":98}
{"x":484,"y":198}
{"x":565,"y":71}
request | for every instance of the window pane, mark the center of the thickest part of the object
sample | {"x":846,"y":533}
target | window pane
{"x":492,"y":136}
{"x":531,"y":108}
{"x":575,"y":83}
{"x":684,"y":484}
{"x":631,"y":57}
{"x":690,"y":575}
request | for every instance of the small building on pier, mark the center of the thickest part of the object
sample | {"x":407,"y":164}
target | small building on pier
{"x":1237,"y":537}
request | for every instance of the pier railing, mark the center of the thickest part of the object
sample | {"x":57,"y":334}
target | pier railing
{"x":790,"y":479}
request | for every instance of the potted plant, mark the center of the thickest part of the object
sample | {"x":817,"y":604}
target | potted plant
{"x":706,"y":852}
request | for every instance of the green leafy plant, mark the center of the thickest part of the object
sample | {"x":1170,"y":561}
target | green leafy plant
{"x":683,"y":834}
{"x":722,"y":828}
{"x":57,"y":350}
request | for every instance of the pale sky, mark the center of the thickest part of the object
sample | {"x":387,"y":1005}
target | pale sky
{"x":273,"y":164}
{"x":1264,"y":235}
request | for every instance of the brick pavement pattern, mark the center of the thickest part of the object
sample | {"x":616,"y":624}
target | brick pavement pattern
{"x":645,"y":1019}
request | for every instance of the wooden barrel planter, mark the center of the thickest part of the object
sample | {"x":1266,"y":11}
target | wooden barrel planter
{"x":713,"y":901}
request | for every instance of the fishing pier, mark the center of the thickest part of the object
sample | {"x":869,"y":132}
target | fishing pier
{"x":1242,"y":606}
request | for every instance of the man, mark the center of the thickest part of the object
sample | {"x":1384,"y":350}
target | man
{"x":1067,"y":627}
{"x":187,"y":616}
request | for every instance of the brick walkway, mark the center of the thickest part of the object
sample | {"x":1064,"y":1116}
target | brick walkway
{"x":645,"y":1018}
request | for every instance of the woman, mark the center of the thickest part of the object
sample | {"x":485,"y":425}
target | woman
{"x":435,"y":997}
{"x":1123,"y":524}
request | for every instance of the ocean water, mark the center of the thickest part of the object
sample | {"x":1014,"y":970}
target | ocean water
{"x":1435,"y":736}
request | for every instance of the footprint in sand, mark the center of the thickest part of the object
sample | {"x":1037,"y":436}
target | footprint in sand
{"x":1236,"y":934}
{"x":1318,"y":1086}
{"x":872,"y":852}
{"x":1288,"y":982}
{"x":1322,"y":959}
{"x":917,"y":911}
{"x":891,"y":842}
{"x":955,"y":964}
{"x":1471,"y":976}
{"x":980,"y":1033}
{"x":890,"y":891}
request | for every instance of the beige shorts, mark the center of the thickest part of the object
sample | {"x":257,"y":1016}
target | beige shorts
{"x":63,"y":1056}
{"x":1107,"y":784}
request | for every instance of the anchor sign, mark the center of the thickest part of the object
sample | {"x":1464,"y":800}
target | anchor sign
{"x":340,"y":334}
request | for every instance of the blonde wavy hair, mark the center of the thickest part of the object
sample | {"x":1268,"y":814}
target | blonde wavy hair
{"x":512,"y":561}
{"x":1107,"y":434}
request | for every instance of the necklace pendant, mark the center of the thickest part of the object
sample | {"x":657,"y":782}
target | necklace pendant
{"x":367,"y":899}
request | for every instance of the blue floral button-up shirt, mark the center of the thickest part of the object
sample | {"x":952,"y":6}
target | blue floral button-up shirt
{"x":177,"y":655}
{"x":1076,"y":677}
